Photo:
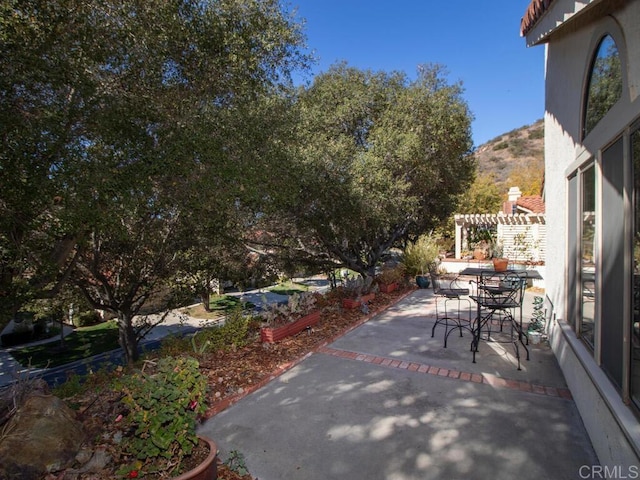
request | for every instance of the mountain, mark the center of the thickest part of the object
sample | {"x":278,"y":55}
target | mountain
{"x":511,"y":154}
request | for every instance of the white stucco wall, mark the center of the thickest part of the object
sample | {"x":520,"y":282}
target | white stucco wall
{"x":614,"y":431}
{"x":564,"y":78}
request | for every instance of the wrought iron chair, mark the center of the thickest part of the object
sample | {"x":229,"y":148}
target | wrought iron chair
{"x":449,"y":291}
{"x":499,"y":300}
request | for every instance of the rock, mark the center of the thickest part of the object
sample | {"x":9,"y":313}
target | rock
{"x":43,"y":436}
{"x":84,"y":455}
{"x":98,"y":462}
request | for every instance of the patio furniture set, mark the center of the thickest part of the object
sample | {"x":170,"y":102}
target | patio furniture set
{"x":490,"y":307}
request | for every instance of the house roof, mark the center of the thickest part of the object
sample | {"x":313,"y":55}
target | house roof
{"x":532,"y":203}
{"x":544,"y":18}
{"x":534,"y":12}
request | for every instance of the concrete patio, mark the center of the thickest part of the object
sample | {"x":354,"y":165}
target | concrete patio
{"x":387,"y":401}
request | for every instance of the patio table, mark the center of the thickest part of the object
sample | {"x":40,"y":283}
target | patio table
{"x":499,"y":295}
{"x":478,"y":271}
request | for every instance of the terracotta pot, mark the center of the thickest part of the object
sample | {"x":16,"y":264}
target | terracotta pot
{"x":500,"y":264}
{"x":388,"y":287}
{"x":208,"y":469}
{"x":479,"y":254}
{"x":356,"y":302}
{"x":273,"y":334}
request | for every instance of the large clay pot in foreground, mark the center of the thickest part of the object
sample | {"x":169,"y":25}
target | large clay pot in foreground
{"x":208,"y":469}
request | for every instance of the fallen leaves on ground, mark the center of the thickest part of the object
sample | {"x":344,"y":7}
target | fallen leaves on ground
{"x":232,"y":373}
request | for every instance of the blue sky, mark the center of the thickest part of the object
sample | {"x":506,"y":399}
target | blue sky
{"x":478,"y":42}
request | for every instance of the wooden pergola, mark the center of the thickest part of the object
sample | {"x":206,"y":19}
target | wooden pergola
{"x":530,"y":224}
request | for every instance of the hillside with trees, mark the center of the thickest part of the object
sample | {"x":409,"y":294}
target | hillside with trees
{"x":515,"y":158}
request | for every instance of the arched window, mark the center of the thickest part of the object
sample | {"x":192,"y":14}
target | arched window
{"x":605,"y":83}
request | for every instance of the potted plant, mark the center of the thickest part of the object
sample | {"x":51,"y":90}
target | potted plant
{"x":284,"y":319}
{"x":500,"y":263}
{"x":480,"y":240}
{"x":355,"y":294}
{"x":389,"y":279}
{"x":536,"y":325}
{"x":164,"y":401}
{"x":420,"y":257}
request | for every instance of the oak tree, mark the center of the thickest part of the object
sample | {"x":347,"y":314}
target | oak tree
{"x":384,"y":158}
{"x":124,"y":124}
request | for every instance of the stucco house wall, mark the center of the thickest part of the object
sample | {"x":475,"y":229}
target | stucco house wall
{"x":570,"y":31}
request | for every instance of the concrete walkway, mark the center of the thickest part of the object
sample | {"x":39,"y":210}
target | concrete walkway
{"x":387,"y":401}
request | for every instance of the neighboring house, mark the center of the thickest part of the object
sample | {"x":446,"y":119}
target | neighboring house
{"x":592,"y":194}
{"x":520,"y":228}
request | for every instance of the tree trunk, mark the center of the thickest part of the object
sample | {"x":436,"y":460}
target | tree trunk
{"x":368,"y":273}
{"x":127,"y":337}
{"x":61,"y":332}
{"x":205,"y":298}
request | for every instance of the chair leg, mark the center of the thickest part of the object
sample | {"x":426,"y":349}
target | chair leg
{"x":518,"y":339}
{"x":451,"y":322}
{"x":438,"y":321}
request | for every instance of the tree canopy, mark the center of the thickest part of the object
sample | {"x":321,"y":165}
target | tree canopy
{"x":144,"y":141}
{"x":124,"y":125}
{"x":383,"y":158}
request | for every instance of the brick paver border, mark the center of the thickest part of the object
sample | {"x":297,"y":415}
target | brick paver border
{"x":482,"y":378}
{"x":496,"y":382}
{"x":221,"y":405}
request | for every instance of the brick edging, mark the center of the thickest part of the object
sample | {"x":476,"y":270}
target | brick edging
{"x":480,"y":378}
{"x":225,"y":403}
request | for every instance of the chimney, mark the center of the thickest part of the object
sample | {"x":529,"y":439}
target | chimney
{"x":514,"y":194}
{"x":510,"y":206}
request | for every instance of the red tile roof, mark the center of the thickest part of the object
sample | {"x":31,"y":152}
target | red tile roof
{"x":533,"y":203}
{"x":534,"y":12}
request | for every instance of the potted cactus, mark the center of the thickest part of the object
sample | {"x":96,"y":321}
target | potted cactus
{"x":355,"y":294}
{"x":500,"y":263}
{"x":389,"y":279}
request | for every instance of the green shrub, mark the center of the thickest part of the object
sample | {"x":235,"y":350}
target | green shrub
{"x":421,"y":255}
{"x":234,"y":333}
{"x":517,"y":147}
{"x":72,"y":386}
{"x":536,"y":134}
{"x":501,"y":146}
{"x":86,"y":318}
{"x":164,"y":401}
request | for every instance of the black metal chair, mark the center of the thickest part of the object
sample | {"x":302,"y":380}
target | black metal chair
{"x":449,"y":290}
{"x":499,"y":299}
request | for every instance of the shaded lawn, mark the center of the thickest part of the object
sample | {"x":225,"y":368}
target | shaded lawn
{"x":84,"y":342}
{"x":224,"y":303}
{"x":219,"y":305}
{"x":289,"y":288}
